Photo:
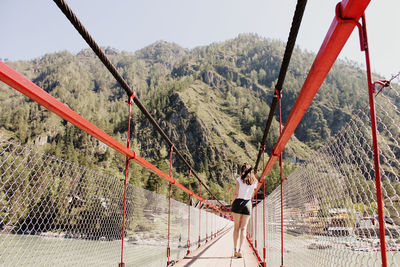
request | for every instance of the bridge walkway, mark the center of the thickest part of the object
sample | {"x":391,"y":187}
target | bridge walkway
{"x":219,"y":253}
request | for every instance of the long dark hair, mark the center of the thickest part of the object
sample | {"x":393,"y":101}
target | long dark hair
{"x":247,"y":174}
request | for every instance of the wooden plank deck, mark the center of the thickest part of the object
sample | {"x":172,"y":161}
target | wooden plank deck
{"x":219,"y":253}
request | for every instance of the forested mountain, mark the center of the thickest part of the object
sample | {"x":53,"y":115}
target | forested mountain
{"x":212,"y":102}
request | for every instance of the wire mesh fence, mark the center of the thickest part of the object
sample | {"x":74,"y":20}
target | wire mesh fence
{"x":329,"y":202}
{"x":54,"y":212}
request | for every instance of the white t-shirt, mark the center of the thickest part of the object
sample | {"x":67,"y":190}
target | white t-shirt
{"x":245,"y":191}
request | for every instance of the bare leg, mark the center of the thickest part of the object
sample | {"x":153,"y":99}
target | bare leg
{"x":244,"y":219}
{"x":236,"y":221}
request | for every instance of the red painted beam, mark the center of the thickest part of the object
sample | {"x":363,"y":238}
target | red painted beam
{"x":34,"y":92}
{"x":37,"y":94}
{"x":333,"y":43}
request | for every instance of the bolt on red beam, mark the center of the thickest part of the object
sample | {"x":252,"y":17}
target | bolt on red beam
{"x":333,"y":43}
{"x":34,"y":92}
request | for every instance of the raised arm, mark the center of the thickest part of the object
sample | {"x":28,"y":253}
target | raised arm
{"x":236,"y":192}
{"x":255,"y":189}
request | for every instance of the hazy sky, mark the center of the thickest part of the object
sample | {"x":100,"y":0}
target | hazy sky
{"x":32,"y":28}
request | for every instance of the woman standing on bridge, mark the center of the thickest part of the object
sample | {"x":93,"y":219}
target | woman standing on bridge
{"x":241,"y":206}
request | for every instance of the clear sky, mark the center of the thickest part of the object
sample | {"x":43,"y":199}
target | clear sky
{"x":32,"y":28}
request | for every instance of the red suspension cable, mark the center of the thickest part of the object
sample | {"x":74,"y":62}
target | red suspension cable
{"x":255,"y":225}
{"x":281,"y":174}
{"x":169,"y":225}
{"x":128,"y":144}
{"x":264,"y":247}
{"x":252,"y":223}
{"x":371,"y":92}
{"x":188,"y":240}
{"x":211,"y":224}
{"x":207,"y":221}
{"x":199,"y":217}
{"x":169,"y":205}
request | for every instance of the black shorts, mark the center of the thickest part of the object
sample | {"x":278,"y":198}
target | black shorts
{"x":241,"y":206}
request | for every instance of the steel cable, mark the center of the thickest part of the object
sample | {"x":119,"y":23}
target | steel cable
{"x":294,"y":30}
{"x":130,"y":92}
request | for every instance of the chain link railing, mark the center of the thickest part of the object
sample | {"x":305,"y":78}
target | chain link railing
{"x":54,"y":212}
{"x":329,"y":202}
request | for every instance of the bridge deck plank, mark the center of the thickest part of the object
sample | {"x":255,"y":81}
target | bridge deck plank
{"x":219,"y":253}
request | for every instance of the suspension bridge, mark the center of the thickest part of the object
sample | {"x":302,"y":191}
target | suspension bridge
{"x":333,"y":210}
